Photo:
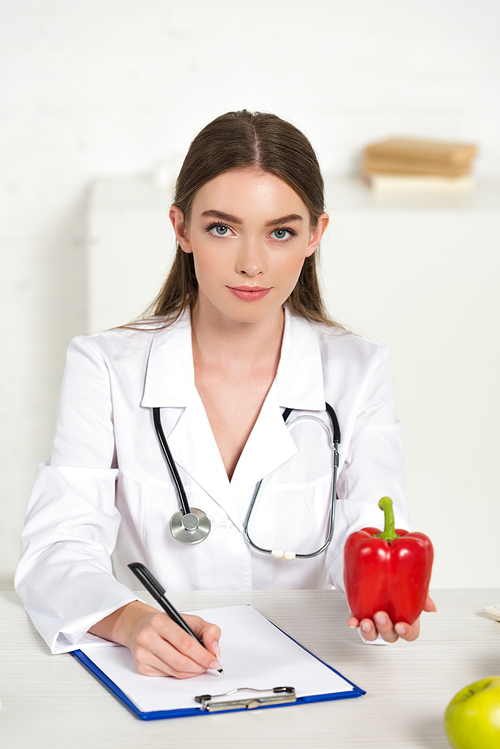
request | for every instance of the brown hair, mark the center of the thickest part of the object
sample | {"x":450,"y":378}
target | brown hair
{"x":239,"y":140}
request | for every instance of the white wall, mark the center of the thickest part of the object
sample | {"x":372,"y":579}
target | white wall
{"x":119,"y":87}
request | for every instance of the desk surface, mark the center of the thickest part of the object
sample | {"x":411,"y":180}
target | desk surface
{"x":52,"y":701}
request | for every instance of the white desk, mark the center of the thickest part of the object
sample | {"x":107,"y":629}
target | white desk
{"x":52,"y":701}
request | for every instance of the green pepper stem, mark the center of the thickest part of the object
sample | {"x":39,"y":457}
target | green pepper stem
{"x":388,"y":534}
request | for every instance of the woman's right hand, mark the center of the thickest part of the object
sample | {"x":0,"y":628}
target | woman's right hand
{"x":159,"y":646}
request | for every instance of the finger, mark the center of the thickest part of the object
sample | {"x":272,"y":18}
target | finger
{"x":188,"y":655}
{"x":153,"y":651}
{"x":210,"y":636}
{"x":148,"y":664}
{"x":408,"y":632}
{"x":385,"y":626}
{"x":368,"y":630}
{"x":150,"y":671}
{"x":174,"y":647}
{"x":352,"y":622}
{"x":429,"y":604}
{"x":209,"y":633}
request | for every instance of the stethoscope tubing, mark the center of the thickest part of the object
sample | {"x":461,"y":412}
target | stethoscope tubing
{"x":201,"y":517}
{"x":171,"y":463}
{"x":336,"y":442}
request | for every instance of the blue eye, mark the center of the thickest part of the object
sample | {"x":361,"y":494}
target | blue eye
{"x":284,"y":234}
{"x":218,"y":230}
{"x":280,"y":233}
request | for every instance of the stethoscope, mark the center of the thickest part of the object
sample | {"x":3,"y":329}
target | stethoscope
{"x":189,"y":525}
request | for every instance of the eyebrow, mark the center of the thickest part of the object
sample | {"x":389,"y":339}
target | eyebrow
{"x":285,"y":219}
{"x":224,"y":216}
{"x":235,"y":220}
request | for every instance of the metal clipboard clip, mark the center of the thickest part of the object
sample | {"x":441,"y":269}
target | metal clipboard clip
{"x":274,"y":696}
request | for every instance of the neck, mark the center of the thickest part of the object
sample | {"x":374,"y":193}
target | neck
{"x":237,"y":345}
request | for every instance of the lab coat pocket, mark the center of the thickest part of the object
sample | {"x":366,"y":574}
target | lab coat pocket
{"x":292,"y":516}
{"x":293,"y":507}
{"x":136,"y":500}
{"x":133,"y":500}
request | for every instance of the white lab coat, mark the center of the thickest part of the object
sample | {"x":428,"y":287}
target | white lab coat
{"x":105,"y":496}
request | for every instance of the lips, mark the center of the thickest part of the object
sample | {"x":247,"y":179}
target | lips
{"x":249,"y":293}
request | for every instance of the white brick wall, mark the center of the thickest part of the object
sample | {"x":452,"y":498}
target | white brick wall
{"x":94,"y":87}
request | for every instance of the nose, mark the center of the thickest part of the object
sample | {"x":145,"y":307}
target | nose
{"x":250,"y":261}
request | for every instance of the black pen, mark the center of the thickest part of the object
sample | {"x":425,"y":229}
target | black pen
{"x":153,"y":586}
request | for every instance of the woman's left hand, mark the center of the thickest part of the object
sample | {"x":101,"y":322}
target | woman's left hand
{"x":389,"y":632}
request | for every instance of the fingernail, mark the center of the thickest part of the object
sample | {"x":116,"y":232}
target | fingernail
{"x":380,"y":619}
{"x":215,"y":666}
{"x":216,"y":648}
{"x":366,"y":627}
{"x":400,"y":629}
{"x":352,"y":626}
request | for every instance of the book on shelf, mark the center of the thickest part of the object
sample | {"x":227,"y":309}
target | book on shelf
{"x":414,"y":166}
{"x":409,"y":164}
{"x":412,"y":148}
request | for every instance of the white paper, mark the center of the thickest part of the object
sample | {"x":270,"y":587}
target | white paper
{"x":254,"y":653}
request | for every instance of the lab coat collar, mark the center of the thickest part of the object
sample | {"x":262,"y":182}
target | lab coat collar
{"x":170,"y":383}
{"x":299,"y":380}
{"x":300,"y":373}
{"x":170,"y":369}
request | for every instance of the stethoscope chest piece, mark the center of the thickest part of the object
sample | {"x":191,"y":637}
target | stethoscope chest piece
{"x":191,"y":528}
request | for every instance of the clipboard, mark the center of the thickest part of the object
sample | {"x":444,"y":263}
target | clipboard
{"x":263,"y":667}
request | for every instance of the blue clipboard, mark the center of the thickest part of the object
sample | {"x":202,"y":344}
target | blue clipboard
{"x":207,"y":706}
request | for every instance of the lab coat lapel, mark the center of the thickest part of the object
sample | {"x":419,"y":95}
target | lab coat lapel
{"x":298,"y":385}
{"x":170,"y":385}
{"x":194,"y":447}
{"x":268,"y":446}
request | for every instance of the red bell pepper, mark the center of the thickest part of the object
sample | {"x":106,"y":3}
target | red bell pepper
{"x":388,"y":571}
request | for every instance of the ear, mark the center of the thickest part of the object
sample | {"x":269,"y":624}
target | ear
{"x":180,"y":228}
{"x":317,"y":233}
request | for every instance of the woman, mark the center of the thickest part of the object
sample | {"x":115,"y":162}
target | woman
{"x":237,"y":335}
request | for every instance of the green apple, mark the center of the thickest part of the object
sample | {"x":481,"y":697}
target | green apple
{"x":472,"y":719}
